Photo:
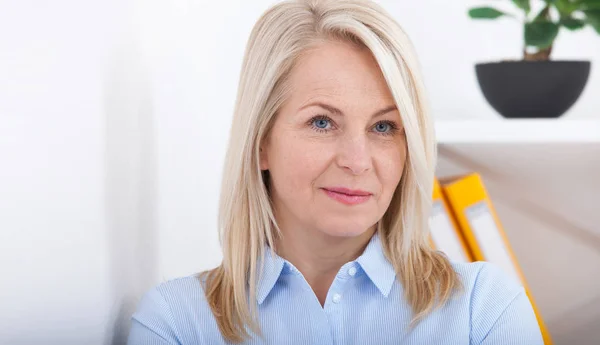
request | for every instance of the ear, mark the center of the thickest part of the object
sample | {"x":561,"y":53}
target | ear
{"x":264,"y":163}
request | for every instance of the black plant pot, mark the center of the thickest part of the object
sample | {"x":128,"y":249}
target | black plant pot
{"x":532,"y":89}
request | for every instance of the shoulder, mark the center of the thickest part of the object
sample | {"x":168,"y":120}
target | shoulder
{"x":166,"y":295}
{"x":486,"y":279}
{"x":181,"y":289}
{"x":488,"y":287}
{"x":498,"y":304}
{"x":167,"y":310}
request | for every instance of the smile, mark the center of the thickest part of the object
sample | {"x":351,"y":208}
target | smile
{"x":346,"y":196}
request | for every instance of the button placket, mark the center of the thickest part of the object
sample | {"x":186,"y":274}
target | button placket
{"x":335,"y":301}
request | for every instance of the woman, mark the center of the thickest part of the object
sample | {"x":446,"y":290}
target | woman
{"x":325,"y":204}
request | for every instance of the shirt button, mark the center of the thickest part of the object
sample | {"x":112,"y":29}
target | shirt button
{"x":352,"y":271}
{"x":337,"y":298}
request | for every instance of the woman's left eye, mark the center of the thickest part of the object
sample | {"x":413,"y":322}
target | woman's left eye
{"x":382,"y":127}
{"x":385,"y":127}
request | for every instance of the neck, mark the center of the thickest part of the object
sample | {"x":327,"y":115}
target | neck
{"x":319,"y":256}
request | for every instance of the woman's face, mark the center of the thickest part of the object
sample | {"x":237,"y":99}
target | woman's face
{"x":337,"y":148}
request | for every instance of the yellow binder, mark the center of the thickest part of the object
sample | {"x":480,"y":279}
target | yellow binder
{"x":445,"y":235}
{"x":469,"y":201}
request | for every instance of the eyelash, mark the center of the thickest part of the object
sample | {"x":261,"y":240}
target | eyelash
{"x":393,"y":126}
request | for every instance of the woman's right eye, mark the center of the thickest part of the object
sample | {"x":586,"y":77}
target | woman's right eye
{"x":321,"y":123}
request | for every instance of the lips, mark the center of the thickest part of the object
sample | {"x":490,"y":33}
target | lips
{"x":347,"y":196}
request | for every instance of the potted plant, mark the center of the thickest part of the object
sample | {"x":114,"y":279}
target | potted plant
{"x":536,"y":86}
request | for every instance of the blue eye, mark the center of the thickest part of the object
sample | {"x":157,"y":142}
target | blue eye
{"x":321,"y":123}
{"x":382,"y":127}
{"x":386,"y":128}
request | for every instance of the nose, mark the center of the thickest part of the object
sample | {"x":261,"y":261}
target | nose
{"x":354,"y":154}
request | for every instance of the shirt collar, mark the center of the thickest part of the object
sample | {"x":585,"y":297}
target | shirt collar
{"x":271,"y":270}
{"x":372,"y":261}
{"x":377,"y":267}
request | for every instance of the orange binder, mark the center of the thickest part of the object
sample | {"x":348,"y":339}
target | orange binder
{"x":472,"y":208}
{"x":445,"y":235}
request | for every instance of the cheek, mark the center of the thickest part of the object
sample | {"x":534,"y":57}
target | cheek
{"x":391,"y":166}
{"x":295,"y":164}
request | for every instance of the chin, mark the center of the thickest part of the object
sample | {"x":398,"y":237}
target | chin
{"x":348,"y":227}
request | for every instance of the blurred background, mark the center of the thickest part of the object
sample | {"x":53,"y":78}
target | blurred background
{"x":114,"y":120}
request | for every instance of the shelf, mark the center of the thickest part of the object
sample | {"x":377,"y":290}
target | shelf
{"x":539,"y":131}
{"x":555,"y":158}
{"x":543,"y":177}
{"x":524,"y":159}
{"x":558,"y":157}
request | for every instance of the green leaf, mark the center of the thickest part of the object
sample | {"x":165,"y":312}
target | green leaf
{"x":589,"y":5}
{"x":540,"y":34}
{"x":485,"y":13}
{"x":592,"y":17}
{"x":572,"y":23}
{"x":566,"y":7}
{"x":523,"y":4}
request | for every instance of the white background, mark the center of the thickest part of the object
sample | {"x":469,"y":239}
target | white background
{"x":114,"y":117}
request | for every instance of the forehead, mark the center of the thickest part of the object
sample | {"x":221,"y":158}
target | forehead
{"x":338,"y":69}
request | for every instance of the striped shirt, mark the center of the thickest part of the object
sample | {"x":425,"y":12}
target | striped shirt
{"x":364,"y":305}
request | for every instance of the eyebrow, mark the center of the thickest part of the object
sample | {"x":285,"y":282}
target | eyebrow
{"x":337,"y":111}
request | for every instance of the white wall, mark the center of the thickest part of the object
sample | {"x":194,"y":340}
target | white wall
{"x":72,"y":195}
{"x":114,"y":117}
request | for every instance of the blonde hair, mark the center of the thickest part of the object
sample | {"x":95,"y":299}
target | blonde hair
{"x":246,"y":221}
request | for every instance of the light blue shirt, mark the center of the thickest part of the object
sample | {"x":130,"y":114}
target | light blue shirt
{"x":364,"y":305}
